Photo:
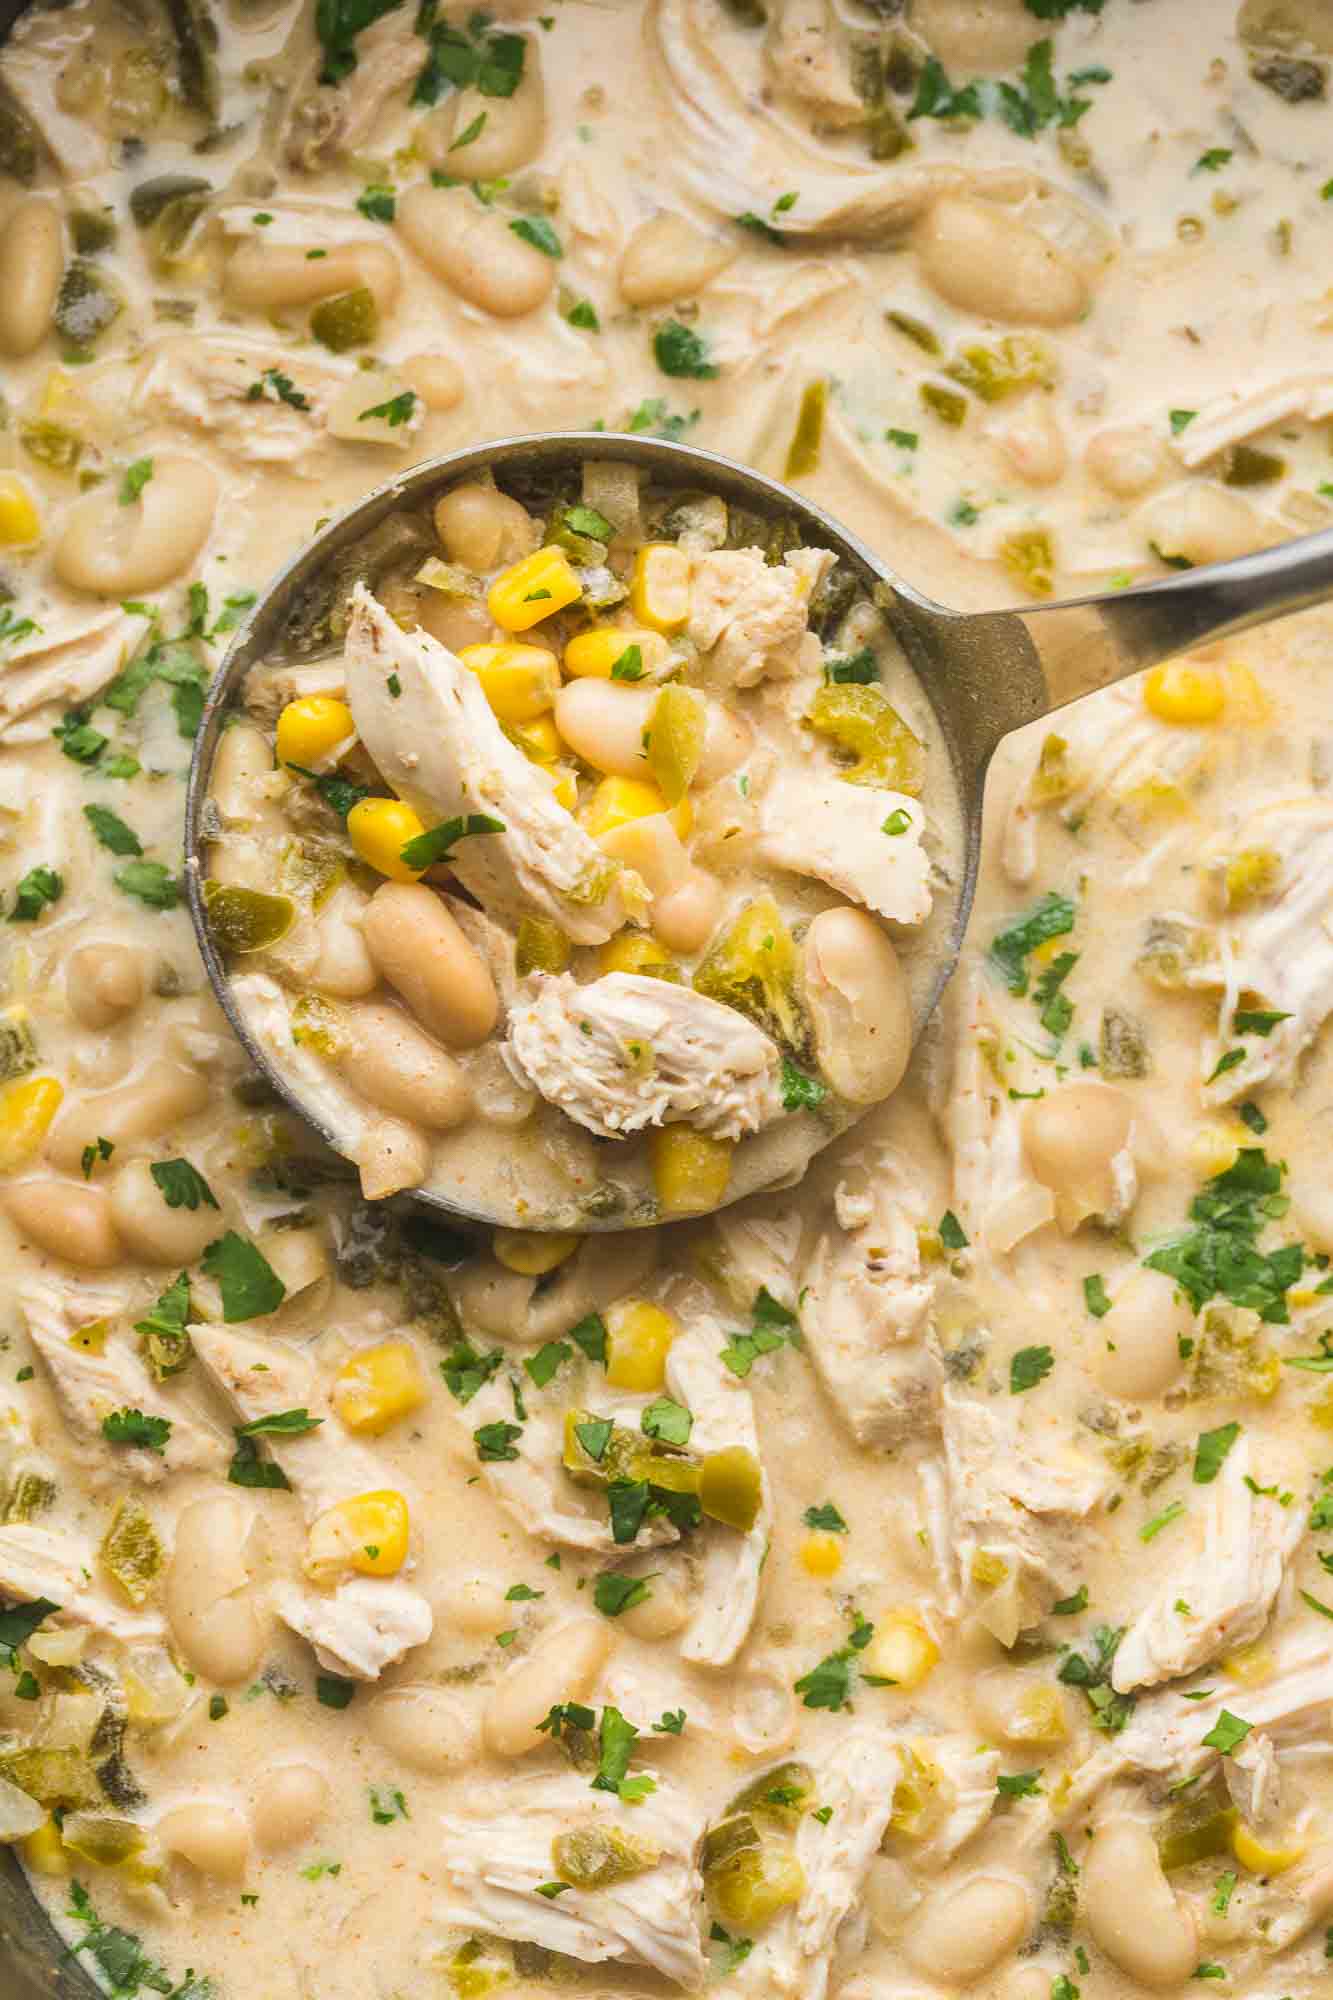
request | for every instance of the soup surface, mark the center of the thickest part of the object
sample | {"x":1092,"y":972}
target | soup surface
{"x":909,"y":1584}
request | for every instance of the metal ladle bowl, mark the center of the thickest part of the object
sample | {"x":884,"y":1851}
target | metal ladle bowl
{"x":984,"y":674}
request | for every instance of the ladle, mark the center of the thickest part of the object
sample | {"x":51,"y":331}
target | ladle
{"x":984,"y":673}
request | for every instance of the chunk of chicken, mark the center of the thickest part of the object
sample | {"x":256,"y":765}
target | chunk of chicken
{"x":48,"y":1563}
{"x":756,"y":1250}
{"x":962,"y":1780}
{"x":858,"y":1781}
{"x":1221,"y":1596}
{"x":495,"y":1861}
{"x":66,"y":665}
{"x":442,"y":749}
{"x":840,"y":833}
{"x":1015,"y":1500}
{"x":753,"y":617}
{"x":364,"y":1626}
{"x":809,"y":63}
{"x":322,"y":122}
{"x":727,"y":1594}
{"x":627,"y":1051}
{"x":996,"y":1198}
{"x":93,"y":1381}
{"x":261,"y":404}
{"x":865,"y":1310}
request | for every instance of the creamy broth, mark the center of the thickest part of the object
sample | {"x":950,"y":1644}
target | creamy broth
{"x":1008,"y":1429}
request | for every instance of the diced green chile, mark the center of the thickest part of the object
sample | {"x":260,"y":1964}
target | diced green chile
{"x":86,"y":305}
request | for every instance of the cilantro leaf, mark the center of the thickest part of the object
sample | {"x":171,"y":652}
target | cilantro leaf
{"x":338,"y":794}
{"x":667,"y":1420}
{"x":398,"y":410}
{"x":495,"y":1442}
{"x":678,"y":350}
{"x":465,"y":1371}
{"x":18,"y":1623}
{"x":857,"y":669}
{"x":590,"y":1335}
{"x":250,"y":1286}
{"x":616,"y":1739}
{"x":1055,"y":1010}
{"x":952,"y":1234}
{"x":182,"y":1185}
{"x":1019,"y":1785}
{"x":1227,"y":1733}
{"x":135,"y":477}
{"x":36,"y":891}
{"x":1094,"y":1296}
{"x":283,"y":1423}
{"x":338,"y":23}
{"x":825,"y":1517}
{"x":166,"y":1344}
{"x":132,"y":1427}
{"x":800,"y":1091}
{"x":438,"y":841}
{"x":150,"y":882}
{"x":274,"y":387}
{"x":1028,"y":1367}
{"x":828,"y":1685}
{"x":537,"y":231}
{"x":1010,"y":948}
{"x":111,"y":830}
{"x":547,"y":1361}
{"x":249,"y":1469}
{"x":613,"y":1592}
{"x":377,"y":203}
{"x":671,"y":1722}
{"x":1210,"y":1452}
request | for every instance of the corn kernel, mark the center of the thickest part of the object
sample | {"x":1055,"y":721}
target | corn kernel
{"x":43,"y":1852}
{"x":532,"y":1252}
{"x":659,"y":594}
{"x":1250,"y":874}
{"x":314,"y":731}
{"x":821,"y":1555}
{"x":592,"y":655}
{"x":1040,"y":1716}
{"x":367,"y":1533}
{"x":566,"y":791}
{"x":691,"y":1170}
{"x":1212,"y":1150}
{"x":616,"y":801}
{"x":539,"y":738}
{"x":90,"y":1338}
{"x":989,"y":1571}
{"x":634,"y":951}
{"x":379,"y":829}
{"x":1257,"y":1856}
{"x":1250,"y":1665}
{"x":902,"y":1650}
{"x":26,"y":1111}
{"x":533,"y":589}
{"x":638,"y":1337}
{"x":520,"y":682}
{"x":1185,"y":694}
{"x":378,"y":1387}
{"x":20,"y":523}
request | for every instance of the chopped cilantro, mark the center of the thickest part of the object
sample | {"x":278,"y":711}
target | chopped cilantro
{"x":678,"y":350}
{"x":437,"y":843}
{"x":250,"y":1286}
{"x":614,"y":1592}
{"x":1227,"y":1733}
{"x":132,"y":1427}
{"x":1211,"y":1450}
{"x":1010,"y":948}
{"x":537,"y":231}
{"x":1094,"y":1296}
{"x":135,"y":477}
{"x":1028,"y":1367}
{"x":495,"y":1442}
{"x":825,"y":1517}
{"x":182,"y":1185}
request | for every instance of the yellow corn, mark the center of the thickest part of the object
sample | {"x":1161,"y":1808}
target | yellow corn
{"x":311,"y":731}
{"x":90,"y":1338}
{"x":379,"y":829}
{"x":633,"y":951}
{"x":378,"y":1387}
{"x":1040,"y":1716}
{"x":659,"y":594}
{"x":1212,"y":1150}
{"x":638,"y":1337}
{"x":532,"y":1252}
{"x":989,"y":1571}
{"x":20,"y":523}
{"x":1250,"y":874}
{"x":43,"y":1852}
{"x":690,"y":1169}
{"x":566,"y":792}
{"x":367,"y":1534}
{"x":533,"y":589}
{"x":821,"y":1555}
{"x":1257,"y":1856}
{"x":616,"y":801}
{"x":1179,"y":692}
{"x":520,"y":682}
{"x":902,"y":1650}
{"x":1250,"y":1665}
{"x":539,"y":738}
{"x":26,"y":1111}
{"x":592,"y":655}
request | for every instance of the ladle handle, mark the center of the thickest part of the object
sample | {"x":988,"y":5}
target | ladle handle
{"x":1089,"y":642}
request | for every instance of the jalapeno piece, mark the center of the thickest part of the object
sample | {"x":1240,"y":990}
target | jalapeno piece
{"x":244,"y":920}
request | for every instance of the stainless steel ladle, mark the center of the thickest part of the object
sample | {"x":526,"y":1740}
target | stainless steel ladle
{"x":984,"y":673}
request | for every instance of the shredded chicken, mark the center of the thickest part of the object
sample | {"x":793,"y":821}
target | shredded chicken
{"x":727,"y":1597}
{"x":67,"y":666}
{"x":94,"y":1381}
{"x":1243,"y":414}
{"x":1220,"y":1598}
{"x":627,"y":1051}
{"x":865,"y":1309}
{"x":495,"y":1862}
{"x":808,"y":62}
{"x":38,"y":1562}
{"x":440,"y":746}
{"x":997,"y":1200}
{"x":845,"y":834}
{"x":963,"y":1781}
{"x":1015,"y":1506}
{"x":262,"y":404}
{"x":364,"y":1626}
{"x":752,"y":616}
{"x":325,"y":122}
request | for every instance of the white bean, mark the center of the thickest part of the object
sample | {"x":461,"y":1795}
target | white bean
{"x":664,"y":1611}
{"x":215,"y":1839}
{"x":891,"y":1895}
{"x":1136,"y":1351}
{"x":1128,"y":461}
{"x":603,"y":722}
{"x":290,"y":1804}
{"x":992,"y":35}
{"x":961,"y":1934}
{"x":859,"y":1005}
{"x":32,"y":258}
{"x":728,"y":740}
{"x":989,"y":263}
{"x":424,"y":1727}
{"x":472,"y":249}
{"x":161,"y":1098}
{"x":437,"y":379}
{"x":685,"y":917}
{"x":561,"y":1667}
{"x":207,"y":1596}
{"x":343,"y":967}
{"x":243,"y":780}
{"x":483,"y":528}
{"x":72,"y":1223}
{"x":1034,"y":444}
{"x":103,"y":983}
{"x":119,"y":551}
{"x":669,"y":258}
{"x":151,"y":1230}
{"x":506,"y":1305}
{"x":1132,"y":1910}
{"x":653,"y":848}
{"x":299,"y":1256}
{"x":512,"y":128}
{"x":392,"y":1157}
{"x":472,"y":1604}
{"x":1203,"y":523}
{"x":455,"y":621}
{"x":1072,"y":1135}
{"x":392,"y":1063}
{"x":420,"y":949}
{"x":764,"y":1716}
{"x":273,"y":277}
